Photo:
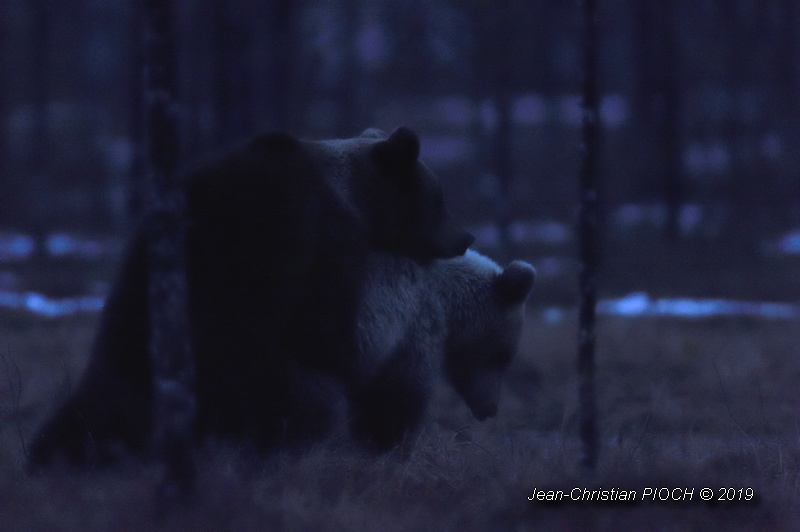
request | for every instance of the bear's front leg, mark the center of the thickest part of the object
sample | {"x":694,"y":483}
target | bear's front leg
{"x":391,"y":406}
{"x":111,"y":408}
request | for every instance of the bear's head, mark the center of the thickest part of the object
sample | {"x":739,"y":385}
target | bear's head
{"x":371,"y":188}
{"x":483,"y":340}
{"x":400,"y":199}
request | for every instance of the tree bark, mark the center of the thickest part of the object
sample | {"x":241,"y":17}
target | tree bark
{"x":170,"y":348}
{"x":670,"y":88}
{"x":137,"y":184}
{"x":38,"y":166}
{"x":587,"y":228}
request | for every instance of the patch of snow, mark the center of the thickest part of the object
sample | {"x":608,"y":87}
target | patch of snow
{"x":50,"y":307}
{"x":454,"y":110}
{"x":547,"y":231}
{"x":443,"y":149}
{"x":550,"y":266}
{"x":372,"y":44}
{"x":712,"y":156}
{"x":790,"y":243}
{"x":488,"y":115}
{"x":614,"y":110}
{"x":634,"y":214}
{"x":530,"y":109}
{"x":529,"y":231}
{"x":63,"y":244}
{"x":640,"y":304}
{"x":637,"y":304}
{"x":553,"y":315}
{"x":771,"y":146}
{"x":690,"y":217}
{"x":16,"y":246}
{"x":570,"y":110}
{"x":119,"y":153}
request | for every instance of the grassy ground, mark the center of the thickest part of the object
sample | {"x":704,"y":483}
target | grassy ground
{"x":682,"y":405}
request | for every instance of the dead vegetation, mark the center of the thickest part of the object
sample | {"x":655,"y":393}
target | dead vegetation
{"x":688,"y":404}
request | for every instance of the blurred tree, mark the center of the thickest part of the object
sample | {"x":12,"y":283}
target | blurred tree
{"x":350,"y":101}
{"x":787,"y":28}
{"x":712,"y":89}
{"x":670,"y":84}
{"x":37,"y":165}
{"x":658,"y":103}
{"x":6,"y":187}
{"x":738,"y":128}
{"x":587,"y":229}
{"x":137,"y":189}
{"x":234,"y":100}
{"x":493,"y":91}
{"x":285,"y":93}
{"x":171,"y":352}
{"x":502,"y":91}
{"x":16,"y":189}
{"x":787,"y":81}
{"x":269,"y":55}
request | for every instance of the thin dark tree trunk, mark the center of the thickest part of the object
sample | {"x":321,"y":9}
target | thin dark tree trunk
{"x":171,"y":355}
{"x":587,"y":228}
{"x":284,"y":94}
{"x":743,"y":191}
{"x":659,"y":103}
{"x":38,"y":165}
{"x":788,"y":76}
{"x":670,"y":87}
{"x":502,"y":150}
{"x":350,"y":88}
{"x":137,"y":184}
{"x":493,"y":83}
{"x":233,"y":97}
{"x":502,"y":155}
{"x":788,"y":82}
{"x":6,"y":189}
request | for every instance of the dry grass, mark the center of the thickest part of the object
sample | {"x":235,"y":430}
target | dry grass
{"x":683,"y":404}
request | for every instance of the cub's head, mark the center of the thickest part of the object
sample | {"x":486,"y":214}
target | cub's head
{"x":486,"y":329}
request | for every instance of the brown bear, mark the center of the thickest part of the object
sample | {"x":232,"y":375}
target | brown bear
{"x":278,"y":233}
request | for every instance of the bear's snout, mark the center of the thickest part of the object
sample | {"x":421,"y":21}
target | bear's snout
{"x":484,"y":411}
{"x":464,"y":242}
{"x":453,"y":243}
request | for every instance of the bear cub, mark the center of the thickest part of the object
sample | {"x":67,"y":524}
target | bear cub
{"x":460,"y":319}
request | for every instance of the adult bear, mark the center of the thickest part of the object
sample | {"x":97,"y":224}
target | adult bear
{"x":458,"y":319}
{"x":278,"y":233}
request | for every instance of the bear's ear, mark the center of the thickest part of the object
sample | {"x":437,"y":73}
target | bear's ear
{"x":373,"y":133}
{"x":401,"y":149}
{"x":273,"y":143}
{"x":515,"y":283}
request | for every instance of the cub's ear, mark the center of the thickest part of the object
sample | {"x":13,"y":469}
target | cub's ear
{"x":401,"y":149}
{"x":515,"y":283}
{"x":373,"y":133}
